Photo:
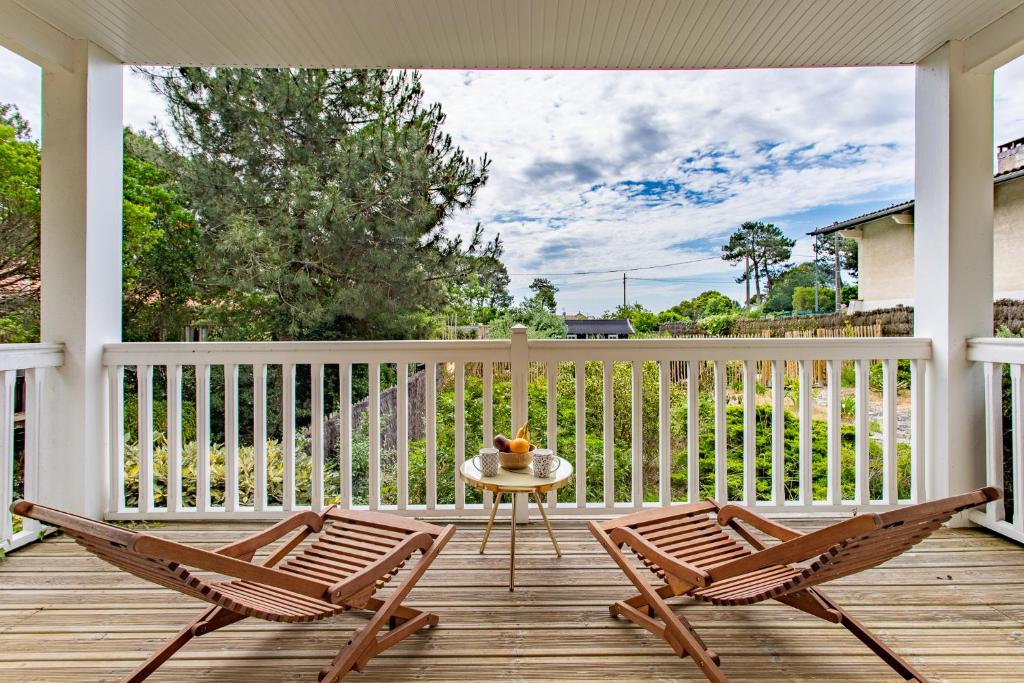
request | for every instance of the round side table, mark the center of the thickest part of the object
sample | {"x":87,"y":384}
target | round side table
{"x":516,"y":482}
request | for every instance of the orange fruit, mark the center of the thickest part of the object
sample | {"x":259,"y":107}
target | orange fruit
{"x":519,"y":446}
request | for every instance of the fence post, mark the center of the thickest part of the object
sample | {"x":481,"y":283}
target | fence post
{"x":519,"y":369}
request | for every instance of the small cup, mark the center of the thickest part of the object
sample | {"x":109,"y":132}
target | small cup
{"x":487,"y":462}
{"x":544,"y":462}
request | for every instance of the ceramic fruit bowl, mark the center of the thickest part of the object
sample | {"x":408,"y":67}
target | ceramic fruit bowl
{"x":516,"y":461}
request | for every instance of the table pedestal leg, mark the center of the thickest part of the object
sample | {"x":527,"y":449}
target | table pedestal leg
{"x":547,"y":523}
{"x":490,"y":520}
{"x":512,"y":553}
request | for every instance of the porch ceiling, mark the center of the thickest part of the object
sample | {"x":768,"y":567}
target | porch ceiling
{"x":512,"y":33}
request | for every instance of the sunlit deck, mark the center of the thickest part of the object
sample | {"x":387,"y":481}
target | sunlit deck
{"x":954,"y":606}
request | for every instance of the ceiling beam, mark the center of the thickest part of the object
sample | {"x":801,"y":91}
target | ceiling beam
{"x":26,"y":34}
{"x":997,"y":44}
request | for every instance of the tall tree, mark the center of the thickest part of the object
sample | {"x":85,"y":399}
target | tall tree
{"x":764,"y":250}
{"x":19,"y":229}
{"x":324,"y":196}
{"x":544,"y":294}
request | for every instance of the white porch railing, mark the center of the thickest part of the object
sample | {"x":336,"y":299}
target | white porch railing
{"x":22,"y":368}
{"x":1004,"y":438}
{"x":794,"y":406}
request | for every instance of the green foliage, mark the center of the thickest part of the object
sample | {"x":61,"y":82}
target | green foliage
{"x":718,"y":325}
{"x":803,"y":299}
{"x":543,"y":295}
{"x":540,"y":323}
{"x":703,"y":305}
{"x":19,"y":228}
{"x":875,"y":376}
{"x":849,"y":293}
{"x":763,"y":249}
{"x":643,"y":321}
{"x":324,"y":196}
{"x":780,"y":296}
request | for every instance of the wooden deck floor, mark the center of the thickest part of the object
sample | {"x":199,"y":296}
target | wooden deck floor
{"x":954,"y":606}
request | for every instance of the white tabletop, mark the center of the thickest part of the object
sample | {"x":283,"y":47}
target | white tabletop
{"x":517,"y":480}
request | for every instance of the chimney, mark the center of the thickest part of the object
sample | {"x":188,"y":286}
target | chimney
{"x":1010,"y":156}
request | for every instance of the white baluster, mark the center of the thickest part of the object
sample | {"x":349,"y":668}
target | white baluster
{"x":637,"y":433}
{"x":551,"y":375}
{"x":144,"y":376}
{"x":917,"y":431}
{"x":835,"y":427}
{"x":231,"y":437}
{"x":664,"y":435}
{"x":806,"y":385}
{"x":174,"y":439}
{"x":402,"y":434}
{"x":7,"y":380}
{"x":890,"y":473}
{"x":1017,"y":436}
{"x":431,"y":433}
{"x":581,"y":434}
{"x":608,"y":431}
{"x":345,"y":433}
{"x":288,"y":435}
{"x":30,"y":483}
{"x":994,"y":436}
{"x":259,"y":436}
{"x":749,"y":432}
{"x":778,"y":432}
{"x":488,"y":419}
{"x":692,"y":431}
{"x":460,"y":433}
{"x":115,"y":435}
{"x":863,"y":439}
{"x":721,"y":465}
{"x":373,"y":412}
{"x":202,"y":438}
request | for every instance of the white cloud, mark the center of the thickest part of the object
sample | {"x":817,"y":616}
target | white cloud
{"x":800,"y":147}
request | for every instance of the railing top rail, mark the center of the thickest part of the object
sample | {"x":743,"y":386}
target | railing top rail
{"x":753,"y":348}
{"x":386,"y":351}
{"x":24,"y":356}
{"x":996,"y":350}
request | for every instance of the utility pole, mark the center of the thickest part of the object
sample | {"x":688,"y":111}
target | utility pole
{"x":839,"y":277}
{"x":746,"y":275}
{"x":623,"y":290}
{"x":815,"y":273}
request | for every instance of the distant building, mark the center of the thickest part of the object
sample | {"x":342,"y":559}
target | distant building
{"x":600,"y":329}
{"x":885,"y":241}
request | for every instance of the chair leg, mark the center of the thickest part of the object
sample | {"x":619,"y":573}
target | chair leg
{"x":210,"y":620}
{"x":864,"y":635}
{"x":365,"y":643}
{"x":677,"y":632}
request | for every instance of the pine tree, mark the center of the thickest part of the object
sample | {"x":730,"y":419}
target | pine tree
{"x":323,"y":196}
{"x":763,"y":248}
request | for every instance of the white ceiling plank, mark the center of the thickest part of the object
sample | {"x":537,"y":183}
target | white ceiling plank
{"x":610,"y":34}
{"x":997,"y":44}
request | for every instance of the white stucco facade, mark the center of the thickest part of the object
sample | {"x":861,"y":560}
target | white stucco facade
{"x":886,"y":257}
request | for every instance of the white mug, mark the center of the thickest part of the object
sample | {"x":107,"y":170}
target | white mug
{"x":487,"y":462}
{"x":544,"y":462}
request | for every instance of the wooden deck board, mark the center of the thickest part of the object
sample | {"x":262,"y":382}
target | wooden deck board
{"x":954,"y":606}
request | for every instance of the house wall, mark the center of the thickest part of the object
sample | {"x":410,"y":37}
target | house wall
{"x":886,"y":263}
{"x":1009,"y":239}
{"x":887,"y":253}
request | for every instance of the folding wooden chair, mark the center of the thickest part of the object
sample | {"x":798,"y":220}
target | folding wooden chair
{"x":353,"y":555}
{"x":688,"y":547}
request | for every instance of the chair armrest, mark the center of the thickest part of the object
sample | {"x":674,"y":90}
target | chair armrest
{"x":247,"y":547}
{"x":730,"y":512}
{"x":798,"y":549}
{"x":169,"y":551}
{"x":681,"y":569}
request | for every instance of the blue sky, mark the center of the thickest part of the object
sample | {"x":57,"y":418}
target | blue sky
{"x":598,"y":171}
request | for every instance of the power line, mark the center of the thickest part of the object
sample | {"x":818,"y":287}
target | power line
{"x":619,"y":270}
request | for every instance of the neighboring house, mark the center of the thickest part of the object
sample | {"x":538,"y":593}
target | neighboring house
{"x":886,"y":240}
{"x":600,"y":329}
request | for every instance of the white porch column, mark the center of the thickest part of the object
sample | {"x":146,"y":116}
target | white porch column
{"x":953,"y":260}
{"x":81,"y":270}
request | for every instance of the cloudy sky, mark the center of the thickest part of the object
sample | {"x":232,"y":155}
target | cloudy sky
{"x":599,"y":171}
